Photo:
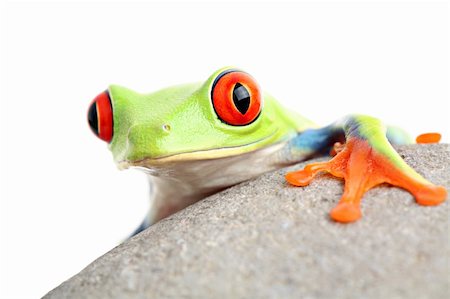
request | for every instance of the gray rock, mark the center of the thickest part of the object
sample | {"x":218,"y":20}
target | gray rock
{"x":266,"y":239}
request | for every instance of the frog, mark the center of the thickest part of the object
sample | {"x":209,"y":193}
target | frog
{"x":197,"y":139}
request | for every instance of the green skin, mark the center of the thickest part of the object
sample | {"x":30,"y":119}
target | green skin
{"x":175,"y":136}
{"x":141,"y":122}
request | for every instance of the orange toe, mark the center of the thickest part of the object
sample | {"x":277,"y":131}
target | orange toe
{"x":299,"y":178}
{"x":428,"y":138}
{"x":346,"y":212}
{"x":431,"y":195}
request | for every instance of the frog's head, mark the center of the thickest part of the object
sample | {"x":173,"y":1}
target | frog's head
{"x":226,"y":115}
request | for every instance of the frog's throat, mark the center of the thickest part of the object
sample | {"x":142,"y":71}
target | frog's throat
{"x":207,"y":154}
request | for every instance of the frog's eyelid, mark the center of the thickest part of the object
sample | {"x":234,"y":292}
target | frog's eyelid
{"x":219,"y":76}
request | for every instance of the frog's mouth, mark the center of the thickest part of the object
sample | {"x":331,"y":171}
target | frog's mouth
{"x":209,"y":154}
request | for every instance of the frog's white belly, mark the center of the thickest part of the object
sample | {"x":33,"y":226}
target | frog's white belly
{"x":178,"y":184}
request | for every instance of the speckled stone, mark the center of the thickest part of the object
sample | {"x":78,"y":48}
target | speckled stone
{"x":266,"y":239}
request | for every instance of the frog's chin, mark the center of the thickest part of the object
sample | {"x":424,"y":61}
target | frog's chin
{"x":201,"y":155}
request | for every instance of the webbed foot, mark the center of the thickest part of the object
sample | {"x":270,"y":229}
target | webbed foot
{"x":367,"y":160}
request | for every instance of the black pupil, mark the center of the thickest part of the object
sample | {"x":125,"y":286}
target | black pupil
{"x":241,"y":98}
{"x":92,"y":118}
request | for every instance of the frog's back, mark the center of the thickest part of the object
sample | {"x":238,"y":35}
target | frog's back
{"x":287,"y":118}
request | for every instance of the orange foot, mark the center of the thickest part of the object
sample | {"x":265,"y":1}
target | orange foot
{"x":363,"y":168}
{"x":428,"y":138}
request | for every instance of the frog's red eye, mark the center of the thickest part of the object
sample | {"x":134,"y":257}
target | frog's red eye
{"x":100,"y":117}
{"x":236,"y":98}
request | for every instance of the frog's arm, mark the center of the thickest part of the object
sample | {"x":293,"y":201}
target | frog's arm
{"x":366,"y":160}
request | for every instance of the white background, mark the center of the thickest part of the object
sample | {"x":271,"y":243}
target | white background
{"x":64,"y":203}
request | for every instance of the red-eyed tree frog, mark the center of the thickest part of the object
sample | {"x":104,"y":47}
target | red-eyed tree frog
{"x":194,"y":140}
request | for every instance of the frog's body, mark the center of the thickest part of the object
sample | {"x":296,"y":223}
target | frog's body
{"x":197,"y":139}
{"x":179,"y":184}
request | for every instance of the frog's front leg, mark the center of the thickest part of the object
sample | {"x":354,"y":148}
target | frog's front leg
{"x":367,"y":160}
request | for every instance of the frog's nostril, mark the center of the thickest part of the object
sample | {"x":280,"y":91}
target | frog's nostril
{"x":100,"y":116}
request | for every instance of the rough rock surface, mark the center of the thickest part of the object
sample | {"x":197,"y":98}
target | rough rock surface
{"x":265,"y":239}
